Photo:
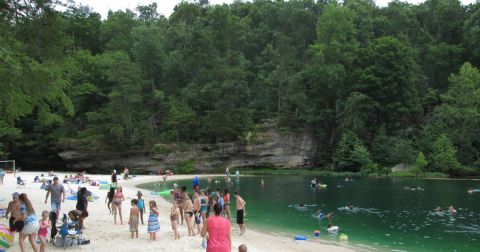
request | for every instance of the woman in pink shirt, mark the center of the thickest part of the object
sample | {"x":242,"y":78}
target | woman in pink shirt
{"x":218,"y":229}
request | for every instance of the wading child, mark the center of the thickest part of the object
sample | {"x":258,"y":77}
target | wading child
{"x":140,"y":205}
{"x":153,"y":224}
{"x":174,"y":213}
{"x":133,"y":220}
{"x":45,"y":224}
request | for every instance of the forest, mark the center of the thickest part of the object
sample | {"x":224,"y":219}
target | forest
{"x":379,"y":86}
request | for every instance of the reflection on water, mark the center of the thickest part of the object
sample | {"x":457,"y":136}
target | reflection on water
{"x":384,"y":213}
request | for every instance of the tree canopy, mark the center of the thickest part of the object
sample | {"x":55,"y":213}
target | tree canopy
{"x":378,"y":85}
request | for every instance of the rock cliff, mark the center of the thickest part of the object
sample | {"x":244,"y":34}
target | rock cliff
{"x":264,"y":146}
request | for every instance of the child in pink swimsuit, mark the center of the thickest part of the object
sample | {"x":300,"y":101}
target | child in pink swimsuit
{"x":45,"y":224}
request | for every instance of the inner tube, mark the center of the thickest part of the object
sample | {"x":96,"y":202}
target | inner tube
{"x":163,"y":193}
{"x":343,"y":237}
{"x":300,"y":237}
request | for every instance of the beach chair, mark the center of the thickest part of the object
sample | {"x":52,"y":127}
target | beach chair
{"x":70,"y":233}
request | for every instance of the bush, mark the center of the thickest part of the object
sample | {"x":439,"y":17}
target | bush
{"x":420,"y":164}
{"x":160,"y":148}
{"x":185,"y":167}
{"x":444,"y":157}
{"x":352,"y":155}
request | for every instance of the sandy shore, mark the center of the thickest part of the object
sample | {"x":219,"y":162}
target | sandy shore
{"x":105,"y":236}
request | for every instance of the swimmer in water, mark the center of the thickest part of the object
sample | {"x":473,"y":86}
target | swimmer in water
{"x":350,"y":206}
{"x":438,"y":209}
{"x":320,"y":214}
{"x":332,"y":229}
{"x":313,"y":182}
{"x":262,"y":182}
{"x":452,"y":210}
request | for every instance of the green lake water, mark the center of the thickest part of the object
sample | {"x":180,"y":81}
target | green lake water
{"x":385,"y":215}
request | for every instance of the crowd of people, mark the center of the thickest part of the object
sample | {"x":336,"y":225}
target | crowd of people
{"x":204,"y":212}
{"x":24,"y":221}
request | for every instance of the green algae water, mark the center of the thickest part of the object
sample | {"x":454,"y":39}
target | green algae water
{"x":385,"y":215}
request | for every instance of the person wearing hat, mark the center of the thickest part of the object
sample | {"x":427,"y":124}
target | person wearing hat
{"x":140,"y":205}
{"x":14,"y":211}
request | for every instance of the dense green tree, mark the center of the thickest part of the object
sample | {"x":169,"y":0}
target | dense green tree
{"x":444,"y":156}
{"x":375,"y":84}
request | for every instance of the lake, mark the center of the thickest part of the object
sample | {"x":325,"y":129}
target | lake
{"x":385,"y":215}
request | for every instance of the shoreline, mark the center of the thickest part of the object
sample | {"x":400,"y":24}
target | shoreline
{"x":252,"y":231}
{"x":105,"y":236}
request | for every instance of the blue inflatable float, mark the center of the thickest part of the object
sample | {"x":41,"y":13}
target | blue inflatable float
{"x":300,"y":237}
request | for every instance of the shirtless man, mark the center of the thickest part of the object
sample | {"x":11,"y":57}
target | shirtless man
{"x":14,"y":211}
{"x":240,"y":211}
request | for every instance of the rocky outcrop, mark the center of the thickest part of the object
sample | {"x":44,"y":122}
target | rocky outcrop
{"x":264,"y":146}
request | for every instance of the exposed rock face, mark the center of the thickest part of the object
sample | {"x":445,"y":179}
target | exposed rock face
{"x":266,"y":146}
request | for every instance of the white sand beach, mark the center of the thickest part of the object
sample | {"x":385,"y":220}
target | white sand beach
{"x":105,"y":236}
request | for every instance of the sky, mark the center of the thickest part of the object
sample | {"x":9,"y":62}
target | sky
{"x":165,"y":7}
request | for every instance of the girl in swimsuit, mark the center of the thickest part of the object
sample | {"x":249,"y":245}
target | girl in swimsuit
{"x":189,"y":214}
{"x":204,"y":205}
{"x":226,"y":200}
{"x":45,"y":223}
{"x":117,"y":205}
{"x":174,"y":213}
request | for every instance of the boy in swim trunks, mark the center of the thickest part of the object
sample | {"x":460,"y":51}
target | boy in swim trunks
{"x":133,"y":220}
{"x":240,"y":211}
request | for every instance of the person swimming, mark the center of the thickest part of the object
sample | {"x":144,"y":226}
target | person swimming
{"x":350,"y":206}
{"x":452,"y":210}
{"x":332,"y":229}
{"x":320,"y":214}
{"x":313,"y":183}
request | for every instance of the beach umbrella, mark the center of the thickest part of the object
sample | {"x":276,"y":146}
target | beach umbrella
{"x":6,"y":238}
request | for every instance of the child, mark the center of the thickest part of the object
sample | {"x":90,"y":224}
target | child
{"x":43,"y":231}
{"x":133,"y":221}
{"x":174,"y":213}
{"x":141,"y":205}
{"x":153,"y":224}
{"x":109,"y":197}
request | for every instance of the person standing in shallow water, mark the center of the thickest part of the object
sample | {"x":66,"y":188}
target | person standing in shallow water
{"x":240,"y":211}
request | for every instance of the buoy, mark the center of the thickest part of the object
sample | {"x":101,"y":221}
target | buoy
{"x":6,"y":239}
{"x":343,"y":237}
{"x":300,"y":237}
{"x":316,"y":233}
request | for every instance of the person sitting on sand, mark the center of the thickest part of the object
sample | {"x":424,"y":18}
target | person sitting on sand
{"x":133,"y":220}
